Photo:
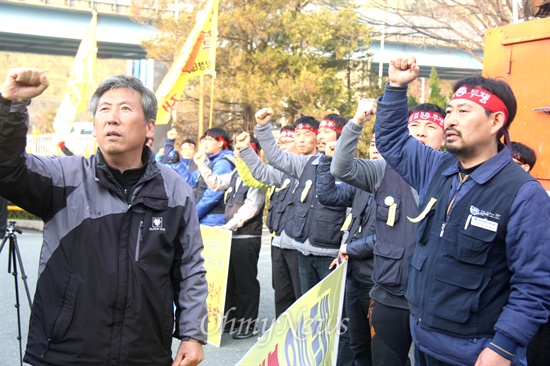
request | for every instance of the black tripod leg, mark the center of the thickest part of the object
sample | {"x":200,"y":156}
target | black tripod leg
{"x":12,"y":261}
{"x":23,"y":274}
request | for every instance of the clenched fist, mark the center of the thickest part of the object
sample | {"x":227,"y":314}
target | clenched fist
{"x":263,"y":116}
{"x":24,"y":84}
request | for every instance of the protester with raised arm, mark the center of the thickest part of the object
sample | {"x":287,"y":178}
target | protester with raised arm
{"x":121,"y":237}
{"x":479,"y":280}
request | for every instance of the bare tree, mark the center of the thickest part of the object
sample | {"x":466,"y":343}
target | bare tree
{"x":455,"y":23}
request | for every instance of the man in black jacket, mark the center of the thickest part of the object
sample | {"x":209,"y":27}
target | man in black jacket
{"x":121,"y":239}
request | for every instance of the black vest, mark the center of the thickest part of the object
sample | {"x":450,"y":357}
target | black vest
{"x":459,"y":280}
{"x":219,"y":208}
{"x":311,"y":220}
{"x":280,"y":205}
{"x":234,"y":199}
{"x":394,"y":239}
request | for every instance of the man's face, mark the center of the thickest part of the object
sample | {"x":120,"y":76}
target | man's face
{"x":468,"y":129}
{"x":288,"y":144}
{"x":373,"y":151}
{"x":306,"y":142}
{"x":120,"y":126}
{"x":325,"y":135}
{"x":187,"y":150}
{"x":427,"y":132}
{"x":211,"y":146}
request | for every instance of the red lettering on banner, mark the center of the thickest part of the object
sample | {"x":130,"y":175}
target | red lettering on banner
{"x":207,"y":40}
{"x":273,"y":358}
{"x":167,"y":106}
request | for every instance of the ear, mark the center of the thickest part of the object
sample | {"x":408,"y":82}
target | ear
{"x":150,"y":128}
{"x":497,"y":122}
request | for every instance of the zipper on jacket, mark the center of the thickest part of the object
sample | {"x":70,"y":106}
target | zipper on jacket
{"x":46,"y":350}
{"x":139,"y":239}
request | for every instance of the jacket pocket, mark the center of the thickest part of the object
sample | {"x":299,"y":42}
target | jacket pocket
{"x":66,"y":312}
{"x":297,"y":223}
{"x":388,"y":209}
{"x":473,"y":245}
{"x":456,"y":290}
{"x":328,"y":222}
{"x":388,"y":263}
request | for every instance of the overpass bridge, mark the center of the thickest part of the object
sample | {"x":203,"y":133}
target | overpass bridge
{"x":56,"y":27}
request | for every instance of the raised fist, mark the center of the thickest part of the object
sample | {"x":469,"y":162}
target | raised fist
{"x":263,"y":116}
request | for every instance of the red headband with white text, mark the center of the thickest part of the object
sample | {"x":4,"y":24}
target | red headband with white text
{"x":330,"y":124}
{"x":427,"y":116}
{"x":287,"y":133}
{"x":484,"y":98}
{"x":305,"y":126}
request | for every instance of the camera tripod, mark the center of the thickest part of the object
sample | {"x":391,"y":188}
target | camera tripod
{"x":14,"y":258}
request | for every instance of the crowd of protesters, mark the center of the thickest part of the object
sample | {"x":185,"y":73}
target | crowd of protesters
{"x":445,"y":232}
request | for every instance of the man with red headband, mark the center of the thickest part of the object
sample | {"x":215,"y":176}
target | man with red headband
{"x":314,"y":228}
{"x":388,"y":318}
{"x":478,"y":286}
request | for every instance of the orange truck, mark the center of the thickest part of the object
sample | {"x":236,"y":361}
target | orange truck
{"x":520,"y":54}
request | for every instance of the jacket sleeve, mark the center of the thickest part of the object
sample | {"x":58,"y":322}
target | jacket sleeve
{"x":286,"y":162}
{"x":414,"y":161}
{"x":528,"y":255}
{"x":328,"y":192}
{"x":247,"y":177}
{"x":189,"y":278}
{"x":253,"y":204}
{"x":168,"y":147}
{"x":214,"y":181}
{"x":360,"y":173}
{"x":261,"y":172}
{"x":362,"y":248}
{"x":190,"y":177}
{"x":34,"y":183}
{"x":210,"y":198}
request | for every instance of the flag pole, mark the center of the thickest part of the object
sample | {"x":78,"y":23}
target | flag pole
{"x":201,"y":106}
{"x":211,"y":101}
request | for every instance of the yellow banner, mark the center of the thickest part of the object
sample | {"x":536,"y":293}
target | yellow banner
{"x":83,"y":75}
{"x":197,"y":57}
{"x":217,"y":247}
{"x":308,"y":332}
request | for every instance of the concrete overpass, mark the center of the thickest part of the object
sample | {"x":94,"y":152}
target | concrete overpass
{"x":34,"y":26}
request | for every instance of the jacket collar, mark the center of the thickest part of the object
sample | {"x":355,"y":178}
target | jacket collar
{"x":487,"y":169}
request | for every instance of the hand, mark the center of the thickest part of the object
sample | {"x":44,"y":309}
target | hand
{"x":189,"y":353}
{"x":488,"y":357}
{"x":243,"y":141}
{"x":365,"y":112}
{"x":200,"y":158}
{"x":172,"y":134}
{"x":403,"y":70}
{"x":61,"y":144}
{"x":335,"y":262}
{"x":329,"y":148}
{"x":24,"y":84}
{"x":343,"y":254}
{"x":263,"y":116}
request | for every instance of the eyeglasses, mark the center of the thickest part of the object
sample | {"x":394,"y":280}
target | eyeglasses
{"x":285,"y":143}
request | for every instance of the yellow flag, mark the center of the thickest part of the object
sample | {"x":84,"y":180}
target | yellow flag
{"x":197,"y":57}
{"x":82,"y":75}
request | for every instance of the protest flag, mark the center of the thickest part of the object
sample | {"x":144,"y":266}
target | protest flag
{"x":83,"y":75}
{"x":197,"y":57}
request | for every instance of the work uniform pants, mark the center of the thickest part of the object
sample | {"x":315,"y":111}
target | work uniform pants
{"x":243,"y":288}
{"x":390,"y":335}
{"x":285,"y":278}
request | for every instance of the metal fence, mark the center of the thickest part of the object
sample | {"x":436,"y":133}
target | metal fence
{"x":47,"y":144}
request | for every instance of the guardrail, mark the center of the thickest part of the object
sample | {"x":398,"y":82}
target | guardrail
{"x":46,"y":144}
